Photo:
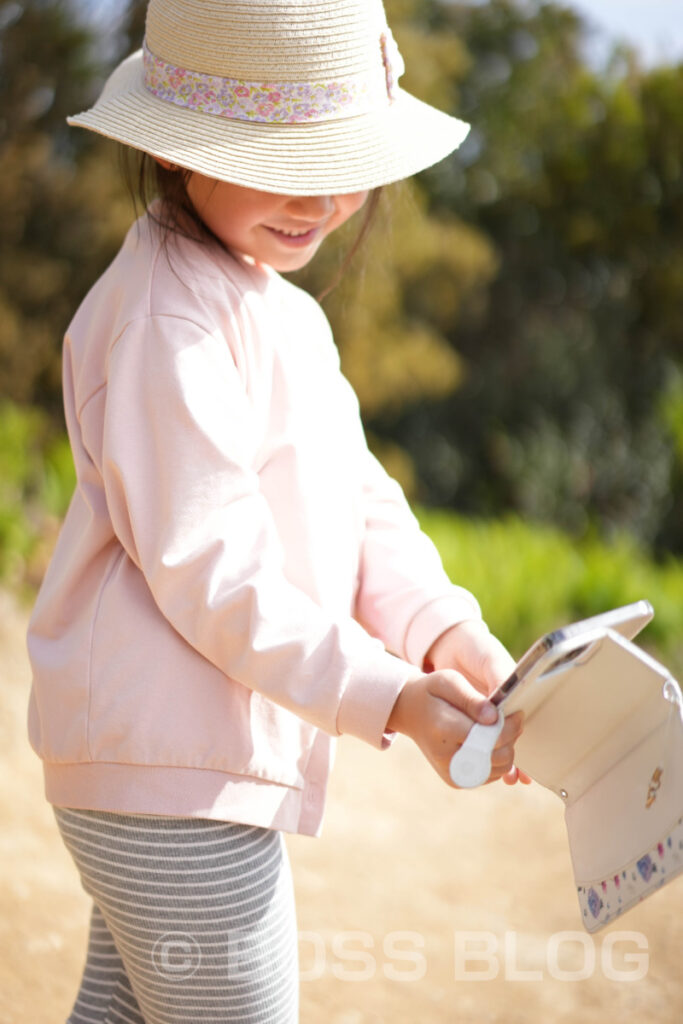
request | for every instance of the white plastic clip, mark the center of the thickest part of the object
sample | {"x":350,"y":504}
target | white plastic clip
{"x":471,"y":763}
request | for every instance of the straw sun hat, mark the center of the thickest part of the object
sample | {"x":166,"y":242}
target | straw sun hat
{"x":289,"y":96}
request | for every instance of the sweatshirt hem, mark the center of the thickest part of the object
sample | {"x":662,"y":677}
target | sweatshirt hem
{"x":183,"y":792}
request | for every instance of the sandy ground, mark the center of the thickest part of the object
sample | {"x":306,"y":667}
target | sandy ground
{"x":418,"y":904}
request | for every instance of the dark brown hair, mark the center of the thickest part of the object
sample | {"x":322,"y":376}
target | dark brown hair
{"x":147,"y":179}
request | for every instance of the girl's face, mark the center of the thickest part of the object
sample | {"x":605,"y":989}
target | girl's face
{"x":282,"y":231}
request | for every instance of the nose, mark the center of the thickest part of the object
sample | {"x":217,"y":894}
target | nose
{"x":312,"y":208}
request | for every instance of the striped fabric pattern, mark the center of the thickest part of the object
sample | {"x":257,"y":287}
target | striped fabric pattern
{"x":193,"y":921}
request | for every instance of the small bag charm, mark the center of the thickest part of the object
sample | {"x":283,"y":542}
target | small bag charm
{"x":471,"y":763}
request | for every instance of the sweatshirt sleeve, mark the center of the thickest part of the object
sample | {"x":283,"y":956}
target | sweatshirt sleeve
{"x":405,"y":597}
{"x":184,"y":498}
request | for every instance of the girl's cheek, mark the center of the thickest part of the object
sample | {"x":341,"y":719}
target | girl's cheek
{"x":360,"y":198}
{"x":351,"y":204}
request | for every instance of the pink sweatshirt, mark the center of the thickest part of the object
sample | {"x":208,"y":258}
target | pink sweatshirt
{"x":234,"y":566}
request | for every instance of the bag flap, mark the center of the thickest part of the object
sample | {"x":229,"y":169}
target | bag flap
{"x":588,"y":713}
{"x":626,"y":831}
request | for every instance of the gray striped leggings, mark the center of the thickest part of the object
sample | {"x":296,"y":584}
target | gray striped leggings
{"x":193,"y":921}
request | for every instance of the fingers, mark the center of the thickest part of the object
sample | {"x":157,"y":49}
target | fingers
{"x":502,"y":761}
{"x":503,"y":754}
{"x":485,"y":658}
{"x":498,"y":666}
{"x":470,"y":648}
{"x":512,"y":730}
{"x":461,"y":695}
{"x":438,"y":710}
{"x":516,"y":775}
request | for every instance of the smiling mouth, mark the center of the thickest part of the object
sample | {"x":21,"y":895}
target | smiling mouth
{"x":292,"y":237}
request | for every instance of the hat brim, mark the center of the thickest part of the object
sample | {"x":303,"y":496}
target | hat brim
{"x":323,"y":158}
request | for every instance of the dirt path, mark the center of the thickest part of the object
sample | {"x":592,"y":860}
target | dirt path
{"x":407,"y":883}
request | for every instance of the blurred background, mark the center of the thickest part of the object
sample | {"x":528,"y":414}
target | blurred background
{"x":514,"y":329}
{"x":513,"y":326}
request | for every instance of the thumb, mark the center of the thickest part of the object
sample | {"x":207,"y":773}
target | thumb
{"x":457,"y":691}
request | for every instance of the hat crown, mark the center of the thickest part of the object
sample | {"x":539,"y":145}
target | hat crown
{"x":295,"y":97}
{"x":286,"y":40}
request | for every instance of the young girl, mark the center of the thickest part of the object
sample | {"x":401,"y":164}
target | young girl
{"x":237,"y":581}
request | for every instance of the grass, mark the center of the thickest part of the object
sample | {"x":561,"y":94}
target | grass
{"x":529,"y":578}
{"x":36,"y":481}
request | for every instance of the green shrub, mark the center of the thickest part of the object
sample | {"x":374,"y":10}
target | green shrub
{"x":530,"y":579}
{"x":36,"y":482}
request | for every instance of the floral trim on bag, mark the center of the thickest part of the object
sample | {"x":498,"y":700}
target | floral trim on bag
{"x":276,"y":102}
{"x":606,"y":899}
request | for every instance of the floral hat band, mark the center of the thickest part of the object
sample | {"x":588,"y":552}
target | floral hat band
{"x":277,"y":102}
{"x":294,"y":97}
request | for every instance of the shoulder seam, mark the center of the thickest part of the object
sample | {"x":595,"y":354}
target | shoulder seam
{"x":119,"y":337}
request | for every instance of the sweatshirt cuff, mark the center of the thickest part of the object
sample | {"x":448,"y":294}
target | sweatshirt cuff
{"x":369,"y":698}
{"x":435,"y":618}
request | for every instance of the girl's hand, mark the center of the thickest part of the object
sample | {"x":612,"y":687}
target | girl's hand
{"x":481,"y":662}
{"x":470,"y":648}
{"x":437,"y":712}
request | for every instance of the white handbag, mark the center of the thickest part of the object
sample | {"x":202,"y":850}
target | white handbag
{"x":604,"y":731}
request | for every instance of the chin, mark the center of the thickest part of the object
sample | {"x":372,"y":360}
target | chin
{"x":288,"y":266}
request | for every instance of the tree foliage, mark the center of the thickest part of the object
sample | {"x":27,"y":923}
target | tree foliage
{"x":513,"y":326}
{"x":575,"y":175}
{"x":62,"y":203}
{"x":393,"y":313}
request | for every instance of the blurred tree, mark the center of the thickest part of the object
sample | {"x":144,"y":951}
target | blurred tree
{"x":135,"y":24}
{"x":518,"y":316}
{"x":575,"y":175}
{"x":70,"y":212}
{"x":392,"y":313}
{"x":62,"y":205}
